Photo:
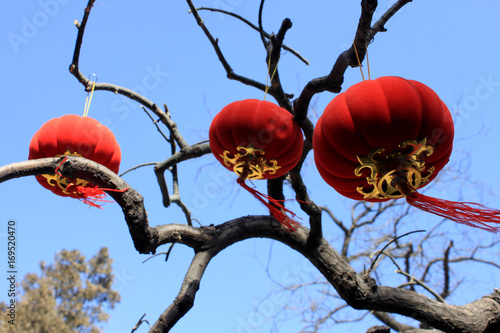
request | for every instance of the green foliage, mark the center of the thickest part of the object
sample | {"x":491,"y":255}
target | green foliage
{"x":68,"y":296}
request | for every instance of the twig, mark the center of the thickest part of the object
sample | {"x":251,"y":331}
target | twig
{"x":167,"y":254}
{"x":412,"y":280}
{"x":156,"y":124}
{"x":137,"y":167}
{"x":422,"y":284}
{"x":334,"y":218}
{"x":229,"y":71}
{"x":387,"y":245}
{"x":379,"y":25}
{"x":253,"y":26}
{"x":139,"y":323}
{"x":261,"y":29}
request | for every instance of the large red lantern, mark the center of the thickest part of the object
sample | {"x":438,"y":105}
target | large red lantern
{"x":74,"y":135}
{"x":383,"y":139}
{"x":257,"y":140}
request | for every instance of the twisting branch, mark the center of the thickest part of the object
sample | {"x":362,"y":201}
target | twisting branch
{"x":379,"y":26}
{"x":253,"y":26}
{"x":131,"y":201}
{"x":79,"y":39}
{"x":187,"y":153}
{"x":273,"y":57}
{"x":74,"y":69}
{"x":333,"y":81}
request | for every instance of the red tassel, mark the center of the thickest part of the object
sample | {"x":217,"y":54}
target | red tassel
{"x":468,"y":213}
{"x":287,"y":222}
{"x":88,"y":194}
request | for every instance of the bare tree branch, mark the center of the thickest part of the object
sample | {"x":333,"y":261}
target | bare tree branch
{"x":229,"y":71}
{"x":333,"y":81}
{"x":137,"y":167}
{"x":184,"y":154}
{"x":74,"y":69}
{"x":185,"y":299}
{"x":139,"y":323}
{"x":131,"y":201}
{"x":388,"y":320}
{"x":253,"y":26}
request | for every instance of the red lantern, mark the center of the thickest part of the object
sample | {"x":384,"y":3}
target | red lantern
{"x":257,"y":140}
{"x":75,"y":136}
{"x":383,"y":139}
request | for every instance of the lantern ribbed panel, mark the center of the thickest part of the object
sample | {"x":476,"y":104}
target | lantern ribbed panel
{"x":81,"y":135}
{"x":261,"y":125}
{"x":374,"y":114}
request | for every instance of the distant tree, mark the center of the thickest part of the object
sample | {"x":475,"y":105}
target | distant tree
{"x":67,"y":296}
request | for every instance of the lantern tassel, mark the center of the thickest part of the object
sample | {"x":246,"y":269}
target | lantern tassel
{"x":91,"y":195}
{"x":88,"y":194}
{"x":468,"y":213}
{"x":287,"y":222}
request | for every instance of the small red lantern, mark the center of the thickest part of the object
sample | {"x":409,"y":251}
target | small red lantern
{"x":74,"y":135}
{"x":383,"y":139}
{"x":257,"y":140}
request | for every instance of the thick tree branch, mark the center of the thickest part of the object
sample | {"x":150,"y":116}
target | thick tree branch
{"x":185,"y":299}
{"x":358,"y":290}
{"x":130,"y":200}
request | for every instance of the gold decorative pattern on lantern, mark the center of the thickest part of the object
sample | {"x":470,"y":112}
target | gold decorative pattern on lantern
{"x":407,"y":164}
{"x":250,"y":161}
{"x":63,"y":182}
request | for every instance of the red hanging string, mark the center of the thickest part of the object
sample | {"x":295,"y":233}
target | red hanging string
{"x":468,"y":213}
{"x":287,"y":222}
{"x":89,"y":194}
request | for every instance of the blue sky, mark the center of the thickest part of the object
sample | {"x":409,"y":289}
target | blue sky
{"x":156,"y":47}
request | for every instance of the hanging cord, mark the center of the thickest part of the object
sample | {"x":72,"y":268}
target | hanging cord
{"x":359,"y":62}
{"x":89,"y":98}
{"x":367,"y":63}
{"x":267,"y":75}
